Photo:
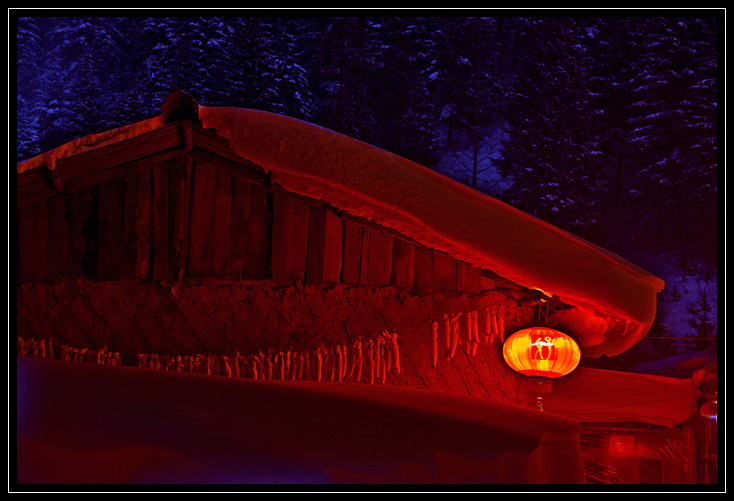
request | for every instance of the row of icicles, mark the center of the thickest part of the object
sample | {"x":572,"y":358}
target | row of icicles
{"x":44,"y":348}
{"x":494,"y":329}
{"x":331,"y":363}
{"x":326,"y":363}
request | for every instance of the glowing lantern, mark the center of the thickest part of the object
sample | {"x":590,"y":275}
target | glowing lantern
{"x":541,"y":352}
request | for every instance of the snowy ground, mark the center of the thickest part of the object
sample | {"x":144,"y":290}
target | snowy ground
{"x":81,"y":423}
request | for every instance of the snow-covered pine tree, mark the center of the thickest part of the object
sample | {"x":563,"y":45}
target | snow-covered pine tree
{"x":406,"y":117}
{"x":78,"y":70}
{"x":28,"y":58}
{"x":345,"y":62}
{"x":552,"y":152}
{"x":673,"y":133}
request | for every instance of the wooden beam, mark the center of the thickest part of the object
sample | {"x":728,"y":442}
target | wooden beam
{"x":161,"y":226}
{"x":129,"y":249}
{"x":424,"y":268}
{"x":402,"y":271}
{"x":468,"y":278}
{"x":144,"y":226}
{"x":257,"y":261}
{"x":333,"y":247}
{"x":380,"y":258}
{"x":33,"y":241}
{"x":316,"y":245}
{"x":201,"y":215}
{"x":222,"y":222}
{"x":109,"y":250}
{"x":444,"y":271}
{"x":352,"y":253}
{"x":241,"y":214}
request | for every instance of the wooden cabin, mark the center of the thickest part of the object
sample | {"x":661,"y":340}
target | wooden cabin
{"x":159,"y":237}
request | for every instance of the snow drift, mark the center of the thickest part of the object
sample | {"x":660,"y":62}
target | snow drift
{"x":81,"y":423}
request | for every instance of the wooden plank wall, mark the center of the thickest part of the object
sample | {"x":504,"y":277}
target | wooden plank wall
{"x":141,"y":227}
{"x":229,"y":230}
{"x":313,"y":244}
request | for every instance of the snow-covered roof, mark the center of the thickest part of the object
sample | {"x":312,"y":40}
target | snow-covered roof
{"x":615,"y":300}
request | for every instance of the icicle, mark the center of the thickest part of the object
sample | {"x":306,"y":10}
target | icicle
{"x":434,"y":345}
{"x":41,"y":350}
{"x":338,"y":363}
{"x":50,"y":348}
{"x":487,"y":325}
{"x":294,"y":365}
{"x":254,"y":366}
{"x":383,"y":371}
{"x":331,"y":361}
{"x":141,"y":356}
{"x":501,"y":323}
{"x":378,"y":357}
{"x":236,"y":365}
{"x":454,"y":335}
{"x":308,"y":375}
{"x":359,"y":360}
{"x":388,"y":352}
{"x":475,"y":332}
{"x":447,"y":331}
{"x":319,"y":363}
{"x":468,"y":332}
{"x":21,"y":347}
{"x":224,"y":364}
{"x":301,"y":361}
{"x":287,"y":368}
{"x":495,"y":329}
{"x":281,"y":365}
{"x":396,"y":351}
{"x":352,"y":361}
{"x":371,"y":360}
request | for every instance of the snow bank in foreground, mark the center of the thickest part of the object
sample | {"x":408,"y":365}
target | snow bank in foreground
{"x":86,"y":423}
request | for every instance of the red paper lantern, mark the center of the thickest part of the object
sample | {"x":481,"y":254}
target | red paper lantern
{"x":541,"y":352}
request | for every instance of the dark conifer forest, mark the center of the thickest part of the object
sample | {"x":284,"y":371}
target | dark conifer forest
{"x":603,"y":126}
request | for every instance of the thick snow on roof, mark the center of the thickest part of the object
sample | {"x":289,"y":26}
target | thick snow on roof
{"x":80,"y":423}
{"x":445,"y":215}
